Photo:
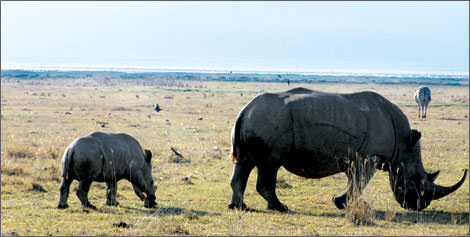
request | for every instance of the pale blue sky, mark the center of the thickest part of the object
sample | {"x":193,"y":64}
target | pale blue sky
{"x":315,"y":36}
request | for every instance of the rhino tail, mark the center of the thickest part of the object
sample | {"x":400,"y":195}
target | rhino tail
{"x":66,"y":160}
{"x":236,"y":139}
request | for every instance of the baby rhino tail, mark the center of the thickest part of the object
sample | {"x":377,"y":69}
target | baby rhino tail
{"x":236,"y":139}
{"x":66,"y":160}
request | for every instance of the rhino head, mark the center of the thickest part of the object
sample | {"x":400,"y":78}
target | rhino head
{"x":412,"y":186}
{"x":150,"y":188}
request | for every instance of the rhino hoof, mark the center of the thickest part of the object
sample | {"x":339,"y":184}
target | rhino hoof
{"x":151,"y":204}
{"x":115,"y":203}
{"x":278,"y":207}
{"x":62,"y":206}
{"x":237,"y":206}
{"x":89,"y":206}
{"x":340,"y":202}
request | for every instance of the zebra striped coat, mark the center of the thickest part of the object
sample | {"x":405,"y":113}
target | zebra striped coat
{"x":422,"y":98}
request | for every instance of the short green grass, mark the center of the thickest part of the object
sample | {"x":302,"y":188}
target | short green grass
{"x":40,"y":118}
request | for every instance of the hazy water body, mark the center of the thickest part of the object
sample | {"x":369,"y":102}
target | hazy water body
{"x":162,"y":66}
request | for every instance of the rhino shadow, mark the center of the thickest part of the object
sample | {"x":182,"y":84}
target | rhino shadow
{"x":428,"y":216}
{"x":166,"y":211}
{"x":333,"y":215}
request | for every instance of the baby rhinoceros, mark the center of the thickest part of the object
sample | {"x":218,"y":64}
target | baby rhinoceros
{"x":107,"y":157}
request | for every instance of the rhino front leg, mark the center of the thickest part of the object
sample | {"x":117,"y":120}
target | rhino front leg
{"x":341,"y":200}
{"x":111,"y":193}
{"x":138,"y":192}
{"x":240,"y":175}
{"x":266,"y":186}
{"x":138,"y":182}
{"x":64,"y":193}
{"x":82,"y":193}
{"x":359,"y":175}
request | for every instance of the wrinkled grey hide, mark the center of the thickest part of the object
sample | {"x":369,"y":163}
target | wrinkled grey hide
{"x":107,"y":157}
{"x":315,"y":134}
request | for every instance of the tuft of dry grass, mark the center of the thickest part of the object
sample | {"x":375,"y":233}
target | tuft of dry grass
{"x":176,"y":159}
{"x":12,"y":171}
{"x":20,"y":152}
{"x":359,"y":212}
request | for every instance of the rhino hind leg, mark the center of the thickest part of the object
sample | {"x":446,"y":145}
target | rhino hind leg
{"x":111,"y":193}
{"x":64,"y":193}
{"x":266,"y":186}
{"x":240,"y":175}
{"x":82,"y":193}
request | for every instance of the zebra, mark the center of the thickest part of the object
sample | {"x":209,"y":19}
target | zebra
{"x":422,"y":98}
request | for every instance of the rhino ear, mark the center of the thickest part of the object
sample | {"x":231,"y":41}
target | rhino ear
{"x":148,"y":155}
{"x":415,"y":136}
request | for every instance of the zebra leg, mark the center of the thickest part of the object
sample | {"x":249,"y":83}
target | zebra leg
{"x":425,"y":110}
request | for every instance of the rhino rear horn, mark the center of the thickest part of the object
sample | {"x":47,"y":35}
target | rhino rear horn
{"x":148,"y":155}
{"x":441,"y":191}
{"x":432,"y":176}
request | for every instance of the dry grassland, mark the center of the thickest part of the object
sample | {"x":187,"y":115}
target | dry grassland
{"x":40,"y":118}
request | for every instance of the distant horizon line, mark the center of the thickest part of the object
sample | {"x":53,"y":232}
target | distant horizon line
{"x":226,"y":70}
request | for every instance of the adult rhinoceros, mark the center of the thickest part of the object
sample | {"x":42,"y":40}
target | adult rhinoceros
{"x":315,"y":134}
{"x":107,"y":157}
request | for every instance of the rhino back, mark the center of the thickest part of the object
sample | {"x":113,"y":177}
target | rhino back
{"x":121,"y":154}
{"x":327,"y":124}
{"x":86,"y":160}
{"x":311,"y":130}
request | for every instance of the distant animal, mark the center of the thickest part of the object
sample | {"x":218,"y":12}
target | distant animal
{"x":315,"y":134}
{"x":156,"y":108}
{"x":422,"y":98}
{"x":107,"y":157}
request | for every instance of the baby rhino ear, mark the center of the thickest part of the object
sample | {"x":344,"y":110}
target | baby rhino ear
{"x":148,"y":155}
{"x":415,"y":136}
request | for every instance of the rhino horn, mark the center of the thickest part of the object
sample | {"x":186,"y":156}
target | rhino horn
{"x":440,"y":191}
{"x":432,"y":176}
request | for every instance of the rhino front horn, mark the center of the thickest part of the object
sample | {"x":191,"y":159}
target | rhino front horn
{"x":441,"y":191}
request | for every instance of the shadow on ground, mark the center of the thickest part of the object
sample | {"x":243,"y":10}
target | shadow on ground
{"x":166,"y":211}
{"x":431,"y":217}
{"x":435,"y":217}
